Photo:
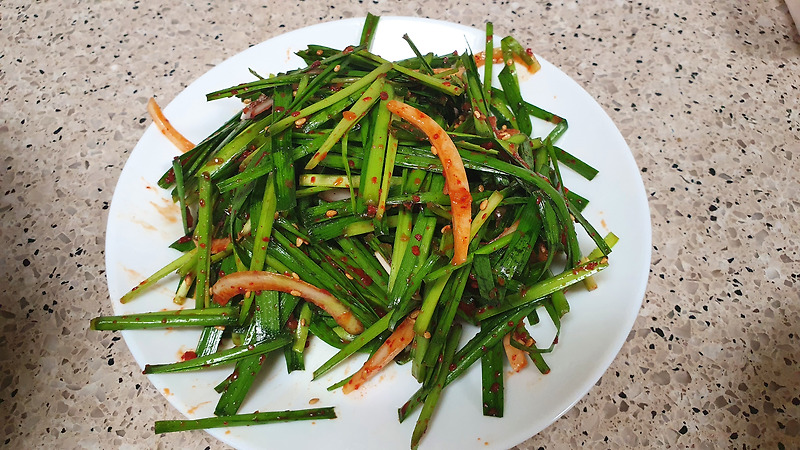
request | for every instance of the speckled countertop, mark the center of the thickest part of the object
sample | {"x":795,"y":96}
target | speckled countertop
{"x":707,"y":94}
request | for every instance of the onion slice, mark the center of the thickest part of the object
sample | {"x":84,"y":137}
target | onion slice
{"x":512,"y":228}
{"x":256,"y":107}
{"x":240,"y":282}
{"x":518,"y":359}
{"x":394,"y":344}
{"x":166,"y":128}
{"x":454,"y":173}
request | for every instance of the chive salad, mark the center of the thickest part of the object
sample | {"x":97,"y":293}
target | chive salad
{"x":378,"y":206}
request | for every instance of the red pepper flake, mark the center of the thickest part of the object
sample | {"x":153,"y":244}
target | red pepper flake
{"x":374,"y":180}
{"x":418,"y":237}
{"x":446,"y":83}
{"x":366,"y":99}
{"x":363,"y":277}
{"x":529,"y":51}
{"x":349,"y":115}
{"x":202,"y":245}
{"x":296,"y":113}
{"x":188,"y":355}
{"x":415,"y":250}
{"x":170,"y":178}
{"x":280,"y":109}
{"x":348,"y":49}
{"x":184,"y":239}
{"x":415,"y":198}
{"x":384,"y":95}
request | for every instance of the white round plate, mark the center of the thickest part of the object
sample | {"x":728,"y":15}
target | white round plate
{"x":143,"y":221}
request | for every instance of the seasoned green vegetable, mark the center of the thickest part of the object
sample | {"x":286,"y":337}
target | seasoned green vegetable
{"x":381,"y":207}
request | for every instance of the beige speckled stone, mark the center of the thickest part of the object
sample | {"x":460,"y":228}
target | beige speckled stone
{"x":706,"y":93}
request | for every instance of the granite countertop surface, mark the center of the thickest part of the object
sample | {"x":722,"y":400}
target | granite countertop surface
{"x":707,"y":94}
